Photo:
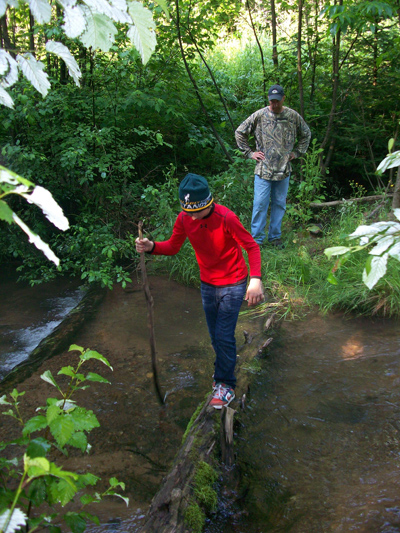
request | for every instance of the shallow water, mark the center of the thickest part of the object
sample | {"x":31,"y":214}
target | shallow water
{"x":30,"y":314}
{"x":319,"y":445}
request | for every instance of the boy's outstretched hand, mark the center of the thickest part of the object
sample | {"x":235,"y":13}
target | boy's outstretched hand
{"x":144,"y":245}
{"x":255,"y":292}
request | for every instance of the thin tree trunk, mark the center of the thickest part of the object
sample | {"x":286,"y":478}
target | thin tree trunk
{"x":213,"y":80}
{"x":203,"y":108}
{"x":274,"y":39}
{"x":261,"y":53}
{"x":299,"y":66}
{"x":396,"y":192}
{"x":5,"y":37}
{"x":31,"y":34}
{"x":335,"y":88}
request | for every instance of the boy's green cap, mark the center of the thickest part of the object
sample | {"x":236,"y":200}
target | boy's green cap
{"x":194,"y":193}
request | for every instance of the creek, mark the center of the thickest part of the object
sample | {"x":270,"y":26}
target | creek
{"x":318,"y":444}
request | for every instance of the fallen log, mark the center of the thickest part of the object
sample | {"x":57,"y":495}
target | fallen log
{"x":208,"y":437}
{"x":341,"y":202}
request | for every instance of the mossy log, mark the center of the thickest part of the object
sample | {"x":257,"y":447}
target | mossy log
{"x":58,"y":340}
{"x":202,"y":438}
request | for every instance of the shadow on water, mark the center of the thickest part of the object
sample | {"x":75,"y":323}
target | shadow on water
{"x":318,"y":445}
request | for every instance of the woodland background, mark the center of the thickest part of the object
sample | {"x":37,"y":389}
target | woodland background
{"x":113,"y":151}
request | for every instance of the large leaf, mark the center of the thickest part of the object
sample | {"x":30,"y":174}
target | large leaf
{"x":8,"y":69}
{"x":395,"y":251}
{"x":5,"y":212}
{"x":74,"y":19}
{"x":37,"y":241}
{"x":382,"y":245}
{"x":115,"y":11}
{"x":100,"y":31}
{"x":62,"y":428}
{"x":17,"y":520}
{"x":41,"y":10}
{"x":336,"y":250}
{"x":375,"y":270}
{"x":44,"y":199}
{"x":62,"y":51}
{"x":92,"y":354}
{"x":34,"y":424}
{"x":33,"y":71}
{"x":5,"y":98}
{"x":142,"y":34}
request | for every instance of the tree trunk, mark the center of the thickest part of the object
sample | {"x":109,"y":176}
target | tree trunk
{"x":203,"y":108}
{"x":222,"y":99}
{"x":299,"y":66}
{"x":274,"y":40}
{"x":261,"y":53}
{"x":335,"y":88}
{"x":396,"y":192}
{"x":31,"y":34}
{"x":4,"y":36}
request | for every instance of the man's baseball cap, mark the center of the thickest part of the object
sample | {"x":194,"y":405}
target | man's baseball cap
{"x":276,"y":92}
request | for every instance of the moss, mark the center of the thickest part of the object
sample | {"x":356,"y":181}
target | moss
{"x":195,"y":518}
{"x":194,"y":416}
{"x":204,"y":479}
{"x":207,"y":497}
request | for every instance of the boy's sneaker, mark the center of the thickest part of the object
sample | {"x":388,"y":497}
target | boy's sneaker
{"x":223,"y":395}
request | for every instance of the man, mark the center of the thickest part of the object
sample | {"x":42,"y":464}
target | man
{"x":217,"y":237}
{"x":275,"y":129}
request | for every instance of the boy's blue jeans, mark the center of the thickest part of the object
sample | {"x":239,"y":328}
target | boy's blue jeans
{"x":264,"y":191}
{"x":221,"y":306}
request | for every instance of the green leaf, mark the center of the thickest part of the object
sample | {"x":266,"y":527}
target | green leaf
{"x":391,"y":144}
{"x":38,"y":447}
{"x":6,"y":213}
{"x":331,"y":278}
{"x":3,"y":400}
{"x":34,"y":424}
{"x":63,"y":491}
{"x":75,"y":521}
{"x":96,"y":377}
{"x":336,"y":250}
{"x":53,"y":412}
{"x":83,"y":419}
{"x":62,"y":428}
{"x":164,"y":6}
{"x":48,"y":376}
{"x":67,"y":371}
{"x":92,"y":354}
{"x":37,"y":491}
{"x":76,"y":348}
{"x":78,"y":440}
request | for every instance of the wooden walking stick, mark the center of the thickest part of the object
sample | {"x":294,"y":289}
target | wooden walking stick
{"x":150,"y":317}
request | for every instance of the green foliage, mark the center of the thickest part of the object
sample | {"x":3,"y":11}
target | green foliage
{"x":195,"y":518}
{"x":302,"y":193}
{"x":37,"y":480}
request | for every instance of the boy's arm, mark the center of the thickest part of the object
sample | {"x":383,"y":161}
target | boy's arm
{"x":169,"y":247}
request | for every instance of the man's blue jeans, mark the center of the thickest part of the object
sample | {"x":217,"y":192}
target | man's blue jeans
{"x":264,"y":190}
{"x":221,"y":306}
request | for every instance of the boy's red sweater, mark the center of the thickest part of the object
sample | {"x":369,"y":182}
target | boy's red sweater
{"x":217,"y":241}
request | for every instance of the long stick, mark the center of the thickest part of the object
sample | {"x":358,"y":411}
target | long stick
{"x":150,"y":316}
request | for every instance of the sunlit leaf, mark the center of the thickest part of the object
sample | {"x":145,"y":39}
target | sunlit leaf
{"x":376,"y":270}
{"x":92,"y":354}
{"x":48,"y":377}
{"x":33,"y":71}
{"x":44,"y":199}
{"x":382,"y":245}
{"x":5,"y":98}
{"x":17,"y":520}
{"x":41,"y":10}
{"x":142,"y":34}
{"x":62,"y":51}
{"x":74,"y":19}
{"x":335,"y":250}
{"x":100,"y":31}
{"x":8,"y":69}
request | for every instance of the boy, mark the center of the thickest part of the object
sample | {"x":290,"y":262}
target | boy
{"x":217,"y":237}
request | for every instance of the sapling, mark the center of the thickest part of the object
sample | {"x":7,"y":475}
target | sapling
{"x":30,"y":479}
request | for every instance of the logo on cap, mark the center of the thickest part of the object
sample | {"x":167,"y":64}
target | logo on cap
{"x":187,"y":197}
